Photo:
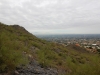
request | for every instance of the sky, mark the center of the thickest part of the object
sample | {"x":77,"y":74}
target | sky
{"x":53,"y":16}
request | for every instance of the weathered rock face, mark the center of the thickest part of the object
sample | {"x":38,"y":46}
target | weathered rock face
{"x":35,"y":69}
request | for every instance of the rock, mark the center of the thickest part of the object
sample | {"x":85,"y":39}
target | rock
{"x":16,"y":72}
{"x":33,"y":68}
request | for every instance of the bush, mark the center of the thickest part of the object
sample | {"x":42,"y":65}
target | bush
{"x":10,"y":53}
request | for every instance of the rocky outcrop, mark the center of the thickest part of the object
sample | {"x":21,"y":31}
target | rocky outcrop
{"x":33,"y":68}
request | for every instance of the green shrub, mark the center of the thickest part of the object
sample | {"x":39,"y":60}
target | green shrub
{"x":10,"y":53}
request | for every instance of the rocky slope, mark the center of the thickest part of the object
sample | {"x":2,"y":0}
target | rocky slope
{"x":33,"y":68}
{"x":22,"y":53}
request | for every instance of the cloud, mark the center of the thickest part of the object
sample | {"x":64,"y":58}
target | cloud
{"x":52,"y":15}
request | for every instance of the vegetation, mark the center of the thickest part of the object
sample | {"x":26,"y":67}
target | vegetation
{"x":16,"y":44}
{"x":10,"y":50}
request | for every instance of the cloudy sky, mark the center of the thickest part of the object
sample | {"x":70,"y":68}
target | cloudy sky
{"x":53,"y":16}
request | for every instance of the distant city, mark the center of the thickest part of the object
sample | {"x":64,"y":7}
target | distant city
{"x":91,"y":42}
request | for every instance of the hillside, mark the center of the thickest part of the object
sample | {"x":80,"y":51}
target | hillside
{"x":24,"y":54}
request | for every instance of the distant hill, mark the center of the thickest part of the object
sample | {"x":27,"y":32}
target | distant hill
{"x":23,"y":53}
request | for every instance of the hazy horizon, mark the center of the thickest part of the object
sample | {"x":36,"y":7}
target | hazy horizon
{"x":53,"y":16}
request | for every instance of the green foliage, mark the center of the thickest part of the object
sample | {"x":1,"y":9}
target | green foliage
{"x":10,"y":51}
{"x":68,"y":59}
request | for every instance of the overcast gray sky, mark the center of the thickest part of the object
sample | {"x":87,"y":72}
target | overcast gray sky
{"x":53,"y":16}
